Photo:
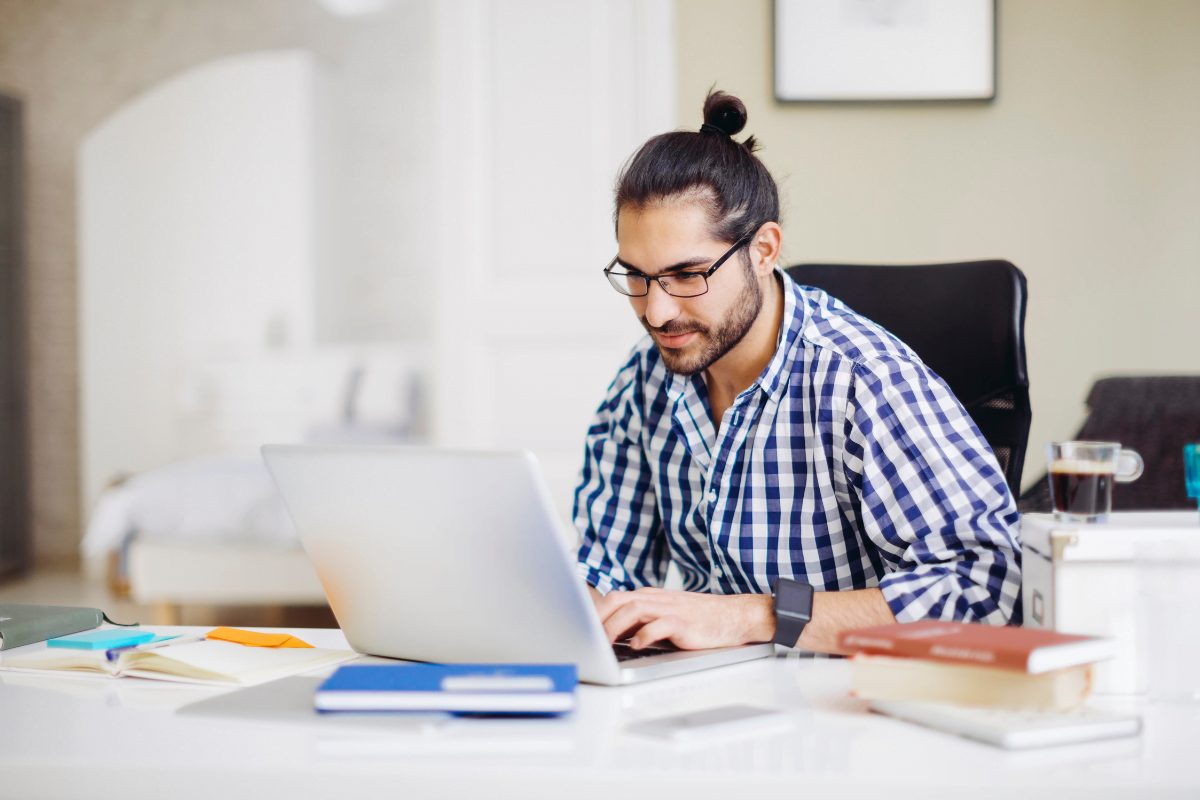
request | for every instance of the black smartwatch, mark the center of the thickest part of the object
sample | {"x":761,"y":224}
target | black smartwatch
{"x":793,"y":610}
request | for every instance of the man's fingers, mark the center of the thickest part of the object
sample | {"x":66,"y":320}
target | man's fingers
{"x":608,"y":604}
{"x":651,"y":615}
{"x":625,"y":620}
{"x":656,"y":631}
{"x":629,"y":617}
{"x":611,"y":602}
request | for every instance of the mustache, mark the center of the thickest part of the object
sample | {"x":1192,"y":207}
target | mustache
{"x":674,"y":328}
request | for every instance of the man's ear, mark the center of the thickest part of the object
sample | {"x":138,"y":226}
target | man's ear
{"x":765,"y":248}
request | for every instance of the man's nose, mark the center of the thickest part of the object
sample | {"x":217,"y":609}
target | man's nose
{"x":661,"y":307}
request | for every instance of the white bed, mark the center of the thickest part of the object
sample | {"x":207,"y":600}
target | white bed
{"x":208,"y":531}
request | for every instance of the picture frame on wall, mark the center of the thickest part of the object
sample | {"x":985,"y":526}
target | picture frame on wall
{"x":856,"y":51}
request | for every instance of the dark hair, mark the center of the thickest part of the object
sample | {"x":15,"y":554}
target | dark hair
{"x":724,"y":174}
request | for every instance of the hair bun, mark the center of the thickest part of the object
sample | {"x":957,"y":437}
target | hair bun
{"x":724,"y":111}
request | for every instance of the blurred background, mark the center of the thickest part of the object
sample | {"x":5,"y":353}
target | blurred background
{"x":231,"y":222}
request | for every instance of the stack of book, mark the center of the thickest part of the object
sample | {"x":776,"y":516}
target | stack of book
{"x":974,"y":665}
{"x":1010,"y":687}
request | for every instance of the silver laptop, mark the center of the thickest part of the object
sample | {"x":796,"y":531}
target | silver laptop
{"x":455,"y":557}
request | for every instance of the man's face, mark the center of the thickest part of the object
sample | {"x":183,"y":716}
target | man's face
{"x":692,"y":333}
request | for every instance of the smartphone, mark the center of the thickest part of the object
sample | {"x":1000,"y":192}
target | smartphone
{"x":709,"y":722}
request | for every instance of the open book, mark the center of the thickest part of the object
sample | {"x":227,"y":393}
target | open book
{"x":206,"y":662}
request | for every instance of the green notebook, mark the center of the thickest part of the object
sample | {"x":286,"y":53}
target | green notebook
{"x":21,"y":625}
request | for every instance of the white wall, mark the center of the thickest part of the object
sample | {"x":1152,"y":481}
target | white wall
{"x":247,"y":238}
{"x":196,"y":259}
{"x":375,"y":272}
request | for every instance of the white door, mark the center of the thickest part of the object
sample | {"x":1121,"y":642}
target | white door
{"x":540,"y":102}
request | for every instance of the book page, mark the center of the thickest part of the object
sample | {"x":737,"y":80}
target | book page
{"x":53,"y":658}
{"x":228,"y":662}
{"x":210,"y":662}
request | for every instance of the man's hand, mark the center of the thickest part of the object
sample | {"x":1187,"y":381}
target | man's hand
{"x":694,"y":621}
{"x":690,"y":620}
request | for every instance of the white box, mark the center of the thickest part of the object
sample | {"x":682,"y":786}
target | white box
{"x":1135,"y":579}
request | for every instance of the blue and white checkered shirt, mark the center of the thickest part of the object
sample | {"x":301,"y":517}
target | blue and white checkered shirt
{"x":848,"y":464}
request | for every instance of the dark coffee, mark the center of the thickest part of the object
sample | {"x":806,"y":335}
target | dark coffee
{"x":1078,"y":490}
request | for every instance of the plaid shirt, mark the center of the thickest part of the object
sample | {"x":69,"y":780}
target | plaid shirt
{"x":848,"y":464}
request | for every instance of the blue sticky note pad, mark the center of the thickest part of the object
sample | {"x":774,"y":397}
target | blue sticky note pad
{"x":101,"y":640}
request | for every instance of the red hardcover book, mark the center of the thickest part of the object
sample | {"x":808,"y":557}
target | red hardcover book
{"x":1024,"y":649}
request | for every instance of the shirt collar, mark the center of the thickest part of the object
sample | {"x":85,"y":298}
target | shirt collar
{"x":774,"y":379}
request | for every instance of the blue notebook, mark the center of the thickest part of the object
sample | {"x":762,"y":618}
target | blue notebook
{"x":458,"y":688}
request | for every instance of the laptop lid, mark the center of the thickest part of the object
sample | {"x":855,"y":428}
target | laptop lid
{"x":440,"y":555}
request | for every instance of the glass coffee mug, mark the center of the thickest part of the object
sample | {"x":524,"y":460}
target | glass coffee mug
{"x":1082,"y":476}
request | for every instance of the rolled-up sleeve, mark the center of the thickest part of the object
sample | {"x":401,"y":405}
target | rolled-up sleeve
{"x":932,"y":498}
{"x":616,"y":510}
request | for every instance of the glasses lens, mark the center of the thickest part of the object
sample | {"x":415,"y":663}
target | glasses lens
{"x":625,"y":283}
{"x":686,"y":284}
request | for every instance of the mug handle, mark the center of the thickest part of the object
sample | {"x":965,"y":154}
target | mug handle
{"x":1129,"y":466}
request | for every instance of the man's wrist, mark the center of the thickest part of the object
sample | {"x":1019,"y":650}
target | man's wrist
{"x":760,"y":625}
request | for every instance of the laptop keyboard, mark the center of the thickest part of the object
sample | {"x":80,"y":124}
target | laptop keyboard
{"x":624,"y":652}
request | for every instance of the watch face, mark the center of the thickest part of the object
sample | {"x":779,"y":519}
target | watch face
{"x":794,"y":596}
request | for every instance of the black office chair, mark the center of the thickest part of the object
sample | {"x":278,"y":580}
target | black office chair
{"x":967,"y":323}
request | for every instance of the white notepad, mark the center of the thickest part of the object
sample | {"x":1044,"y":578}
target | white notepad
{"x":207,"y":662}
{"x":1014,"y":730}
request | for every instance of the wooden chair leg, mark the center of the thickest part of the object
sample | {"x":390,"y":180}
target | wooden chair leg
{"x":274,"y":616}
{"x":166,"y":614}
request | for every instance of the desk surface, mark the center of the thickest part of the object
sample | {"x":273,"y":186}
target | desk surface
{"x":64,"y":737}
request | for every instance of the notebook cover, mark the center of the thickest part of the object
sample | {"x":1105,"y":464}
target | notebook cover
{"x":21,"y":624}
{"x":421,"y":687}
{"x":960,"y":642}
{"x":428,"y":677}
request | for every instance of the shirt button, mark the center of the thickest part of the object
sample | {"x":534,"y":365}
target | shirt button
{"x":712,"y":497}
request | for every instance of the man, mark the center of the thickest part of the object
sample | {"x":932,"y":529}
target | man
{"x":764,"y":431}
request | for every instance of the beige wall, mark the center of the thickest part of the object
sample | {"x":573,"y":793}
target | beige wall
{"x":1084,"y":172}
{"x":74,"y":62}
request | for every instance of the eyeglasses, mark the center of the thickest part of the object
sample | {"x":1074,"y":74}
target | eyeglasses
{"x":678,"y":284}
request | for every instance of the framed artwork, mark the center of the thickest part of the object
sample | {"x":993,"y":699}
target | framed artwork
{"x":835,"y":51}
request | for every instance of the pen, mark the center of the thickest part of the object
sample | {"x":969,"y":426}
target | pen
{"x":115,"y":653}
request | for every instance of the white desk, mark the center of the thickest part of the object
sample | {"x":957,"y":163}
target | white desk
{"x":95,"y":738}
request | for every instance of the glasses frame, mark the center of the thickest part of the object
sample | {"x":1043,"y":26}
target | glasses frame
{"x":738,"y":245}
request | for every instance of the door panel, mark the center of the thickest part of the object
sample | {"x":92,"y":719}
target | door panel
{"x":541,"y":103}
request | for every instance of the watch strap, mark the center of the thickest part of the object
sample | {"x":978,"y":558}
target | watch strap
{"x":793,"y":610}
{"x":788,"y":629}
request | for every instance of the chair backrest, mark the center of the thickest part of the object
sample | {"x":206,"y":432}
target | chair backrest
{"x":1156,"y":416}
{"x":967,"y":323}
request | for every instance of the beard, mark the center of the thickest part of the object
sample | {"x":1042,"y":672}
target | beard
{"x":710,"y":344}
